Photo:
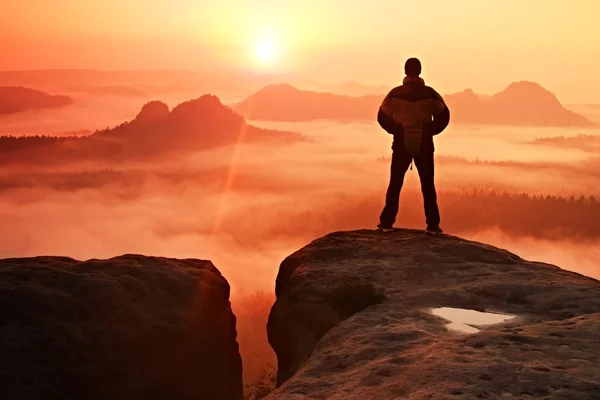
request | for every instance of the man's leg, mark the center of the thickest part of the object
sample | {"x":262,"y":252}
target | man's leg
{"x":400,"y":164}
{"x":425,"y":167}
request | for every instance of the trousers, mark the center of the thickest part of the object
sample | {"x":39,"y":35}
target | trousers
{"x":425,"y":167}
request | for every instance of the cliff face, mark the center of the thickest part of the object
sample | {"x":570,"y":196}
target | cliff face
{"x":131,"y":327}
{"x":355,"y":319}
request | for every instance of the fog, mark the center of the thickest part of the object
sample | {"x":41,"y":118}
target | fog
{"x":247,"y":206}
{"x":265,"y":201}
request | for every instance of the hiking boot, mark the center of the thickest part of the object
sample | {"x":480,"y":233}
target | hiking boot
{"x":385,"y":228}
{"x":434,"y":230}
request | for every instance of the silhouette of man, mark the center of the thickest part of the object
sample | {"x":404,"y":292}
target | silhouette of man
{"x":414,"y":114}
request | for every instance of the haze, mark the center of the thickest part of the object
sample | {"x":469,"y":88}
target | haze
{"x":463,"y":43}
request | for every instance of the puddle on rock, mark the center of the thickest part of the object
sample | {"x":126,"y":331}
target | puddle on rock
{"x":462,"y":320}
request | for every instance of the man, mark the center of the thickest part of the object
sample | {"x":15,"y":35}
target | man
{"x":414,"y":114}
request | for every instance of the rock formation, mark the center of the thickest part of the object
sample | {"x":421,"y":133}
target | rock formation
{"x":201,"y":123}
{"x":195,"y":125}
{"x":353,"y":320}
{"x":131,"y":327}
{"x":152,"y":111}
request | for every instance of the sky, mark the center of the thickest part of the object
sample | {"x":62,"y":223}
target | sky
{"x":476,"y":44}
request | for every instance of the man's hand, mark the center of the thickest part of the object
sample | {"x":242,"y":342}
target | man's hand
{"x":439,"y":123}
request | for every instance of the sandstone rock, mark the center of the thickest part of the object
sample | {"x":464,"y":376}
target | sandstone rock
{"x":152,"y":111}
{"x":131,"y":327}
{"x":396,"y":348}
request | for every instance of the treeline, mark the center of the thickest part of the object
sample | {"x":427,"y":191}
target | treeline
{"x":567,"y":139}
{"x":542,"y":216}
{"x":57,"y":150}
{"x":590,"y":143}
{"x":139,"y":180}
{"x":6,"y":141}
{"x":457,"y":160}
{"x":549,"y":216}
{"x":463,"y":212}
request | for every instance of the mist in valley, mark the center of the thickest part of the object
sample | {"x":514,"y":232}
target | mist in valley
{"x":247,"y":205}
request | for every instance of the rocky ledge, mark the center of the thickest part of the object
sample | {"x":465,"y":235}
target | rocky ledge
{"x":357,"y":317}
{"x":131,"y":327}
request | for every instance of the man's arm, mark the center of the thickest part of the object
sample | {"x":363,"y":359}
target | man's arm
{"x":441,"y":117}
{"x":387,"y":122}
{"x":440,"y":122}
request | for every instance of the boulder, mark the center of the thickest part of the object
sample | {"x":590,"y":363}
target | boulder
{"x":130,"y":327}
{"x":357,"y":317}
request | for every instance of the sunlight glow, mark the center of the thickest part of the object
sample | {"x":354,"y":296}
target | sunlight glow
{"x":266,"y":49}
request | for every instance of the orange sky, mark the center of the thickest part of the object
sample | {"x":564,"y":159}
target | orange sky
{"x":463,"y":43}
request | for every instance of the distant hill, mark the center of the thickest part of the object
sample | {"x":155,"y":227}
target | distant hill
{"x":284,"y":102}
{"x":14,"y":99}
{"x":521,"y":104}
{"x":75,"y":77}
{"x":188,"y":83}
{"x":199,"y":124}
{"x":352,"y":88}
{"x":110,"y":90}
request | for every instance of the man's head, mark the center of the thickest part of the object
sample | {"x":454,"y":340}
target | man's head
{"x":412,"y":67}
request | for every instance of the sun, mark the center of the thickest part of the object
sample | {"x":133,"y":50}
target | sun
{"x":266,"y":49}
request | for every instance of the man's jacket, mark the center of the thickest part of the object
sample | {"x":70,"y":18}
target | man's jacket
{"x":413,"y":113}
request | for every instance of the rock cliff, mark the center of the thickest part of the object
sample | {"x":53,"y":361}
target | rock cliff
{"x":356,"y":317}
{"x":131,"y":327}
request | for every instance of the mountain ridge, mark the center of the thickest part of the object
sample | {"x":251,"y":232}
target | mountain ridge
{"x":199,"y":124}
{"x":521,"y":103}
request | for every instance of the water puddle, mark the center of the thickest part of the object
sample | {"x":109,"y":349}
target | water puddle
{"x":463,"y":320}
